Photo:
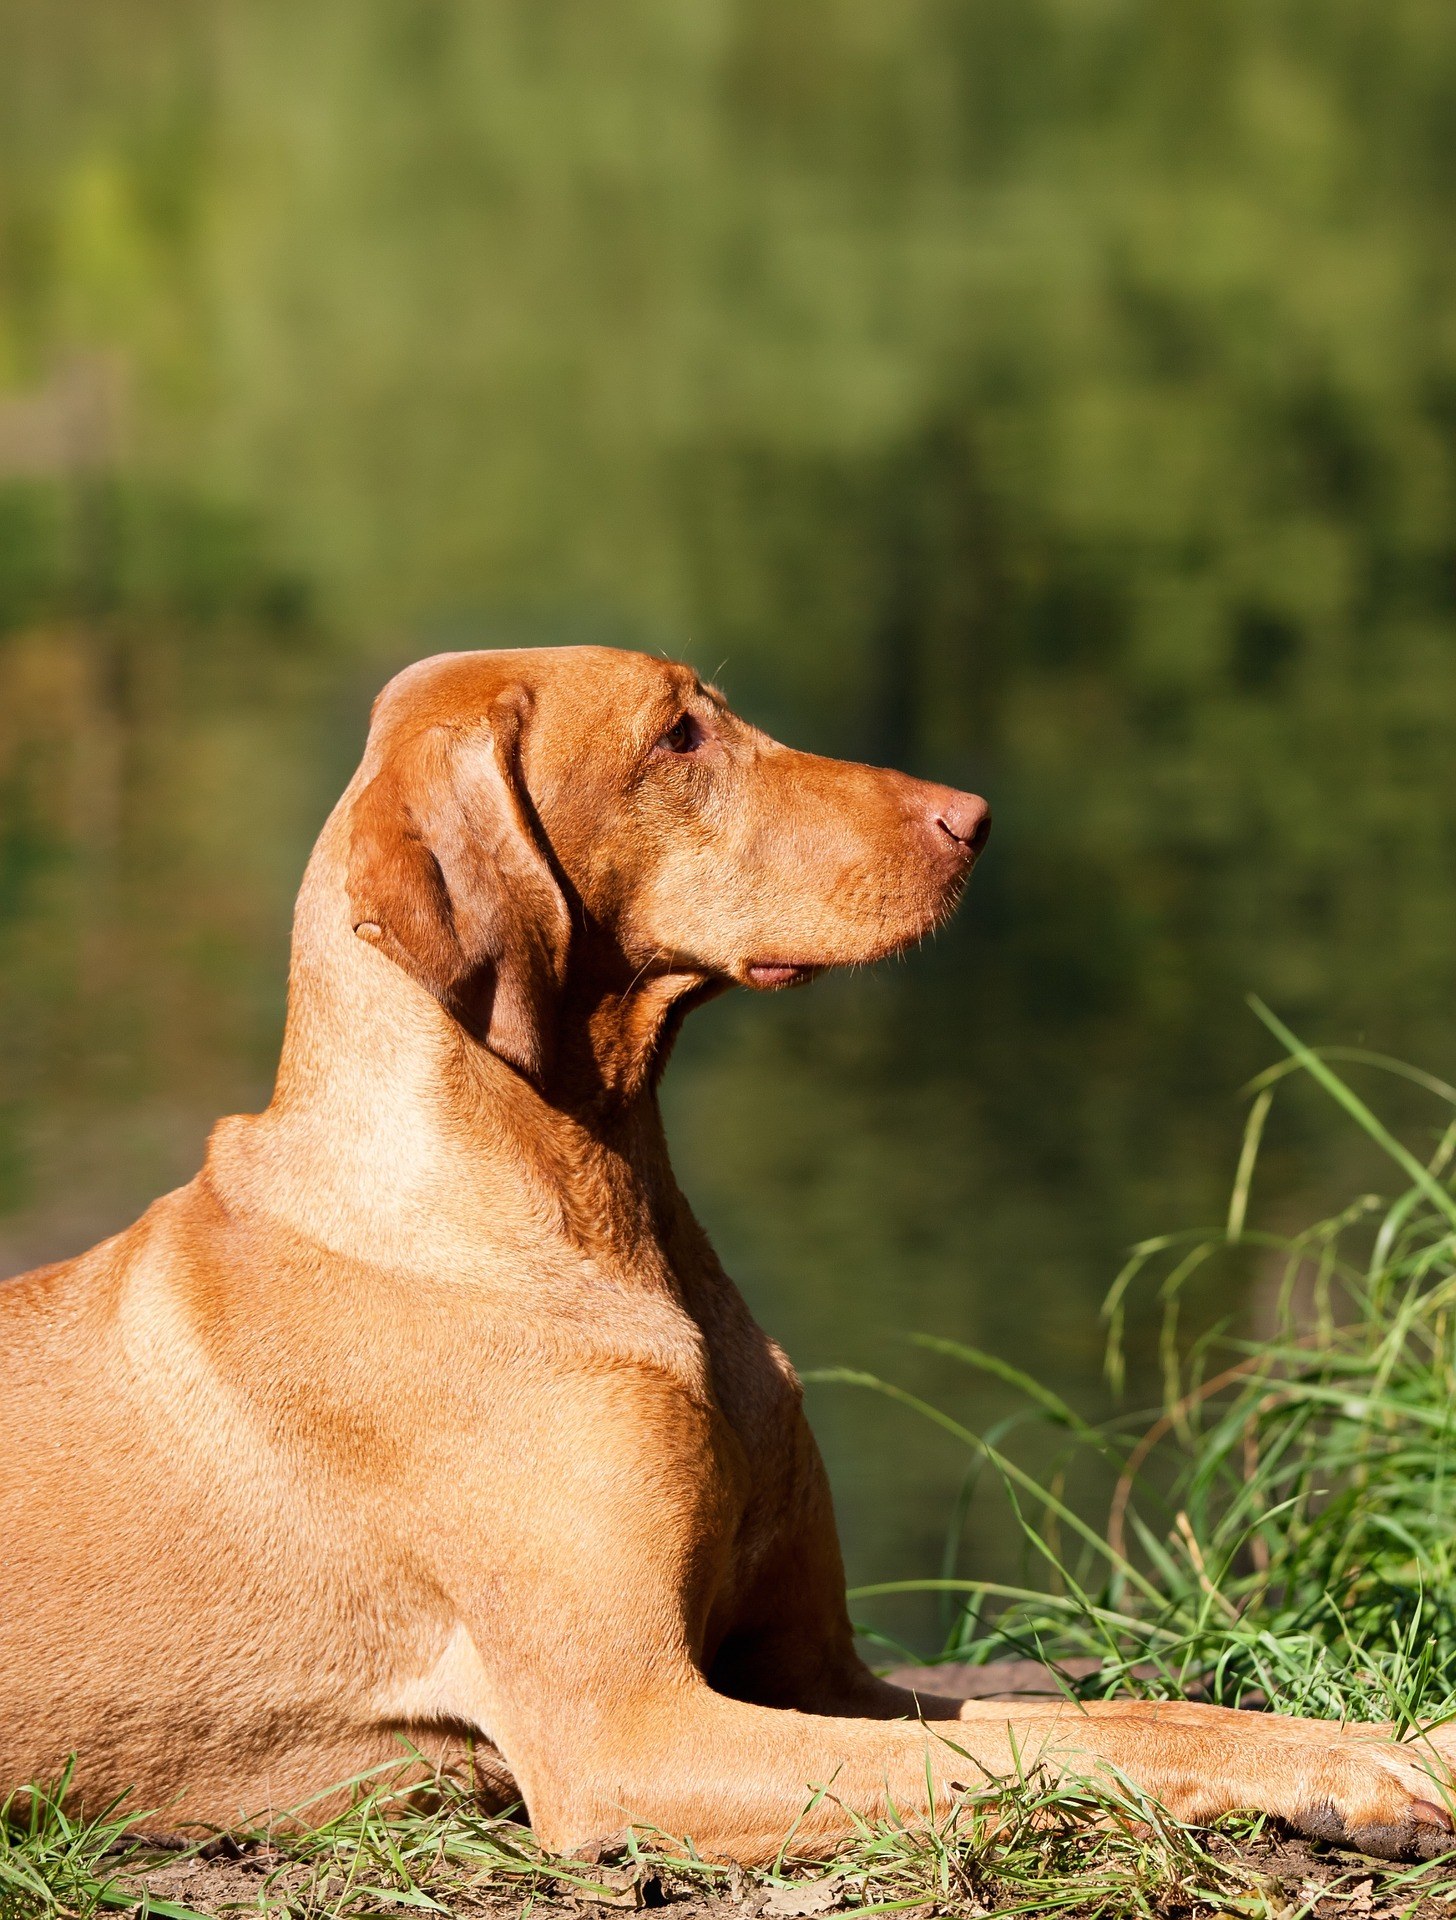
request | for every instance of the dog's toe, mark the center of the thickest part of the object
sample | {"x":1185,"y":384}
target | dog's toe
{"x":1386,"y":1814}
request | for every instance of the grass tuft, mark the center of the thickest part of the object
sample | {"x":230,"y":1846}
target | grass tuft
{"x":1282,"y":1530}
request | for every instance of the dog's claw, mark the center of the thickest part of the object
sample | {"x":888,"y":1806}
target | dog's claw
{"x":1429,"y":1832}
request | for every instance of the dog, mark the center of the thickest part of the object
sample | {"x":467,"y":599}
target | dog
{"x":426,"y":1409}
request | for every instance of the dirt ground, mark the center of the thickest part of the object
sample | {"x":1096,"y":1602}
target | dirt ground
{"x":1304,"y":1879}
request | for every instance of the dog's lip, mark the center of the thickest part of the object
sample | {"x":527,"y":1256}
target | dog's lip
{"x":780,"y":973}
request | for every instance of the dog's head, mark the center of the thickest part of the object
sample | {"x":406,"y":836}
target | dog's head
{"x":523,"y":814}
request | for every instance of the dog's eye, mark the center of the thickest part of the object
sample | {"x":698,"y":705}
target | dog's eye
{"x":682,"y":736}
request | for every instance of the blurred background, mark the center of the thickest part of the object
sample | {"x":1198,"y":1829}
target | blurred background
{"x":1057,"y":397}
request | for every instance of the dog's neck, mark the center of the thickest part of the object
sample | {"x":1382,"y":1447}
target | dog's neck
{"x":421,"y":1143}
{"x":613,"y":1035}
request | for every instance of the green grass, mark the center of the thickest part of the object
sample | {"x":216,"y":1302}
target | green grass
{"x":1282,"y":1529}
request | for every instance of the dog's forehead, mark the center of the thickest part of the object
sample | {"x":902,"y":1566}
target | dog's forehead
{"x":564,"y":682}
{"x":600,"y":681}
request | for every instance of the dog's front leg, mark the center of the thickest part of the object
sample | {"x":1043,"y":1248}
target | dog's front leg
{"x":735,"y":1778}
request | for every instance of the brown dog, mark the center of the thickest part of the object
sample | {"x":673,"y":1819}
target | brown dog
{"x":426,"y":1408}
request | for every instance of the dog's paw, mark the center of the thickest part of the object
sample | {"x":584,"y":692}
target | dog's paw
{"x":1393,"y":1802}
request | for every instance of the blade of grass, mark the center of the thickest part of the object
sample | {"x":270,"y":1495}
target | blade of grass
{"x":1356,"y":1108}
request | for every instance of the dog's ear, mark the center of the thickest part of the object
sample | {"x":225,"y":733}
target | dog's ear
{"x":446,"y":877}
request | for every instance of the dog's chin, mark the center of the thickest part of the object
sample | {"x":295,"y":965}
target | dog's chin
{"x":771,"y":974}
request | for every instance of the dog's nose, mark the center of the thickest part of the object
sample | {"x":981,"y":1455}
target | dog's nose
{"x":965,"y":819}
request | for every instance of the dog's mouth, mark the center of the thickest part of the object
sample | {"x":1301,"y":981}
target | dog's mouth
{"x":780,"y":973}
